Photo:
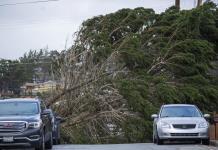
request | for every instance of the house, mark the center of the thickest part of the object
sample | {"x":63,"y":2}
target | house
{"x":27,"y":88}
{"x":34,"y":88}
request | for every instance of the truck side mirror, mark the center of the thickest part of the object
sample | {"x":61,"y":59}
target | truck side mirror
{"x":45,"y":112}
{"x":60,"y":119}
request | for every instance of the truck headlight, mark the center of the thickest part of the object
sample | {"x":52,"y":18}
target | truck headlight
{"x":35,"y":125}
{"x":165,"y":125}
{"x":203,"y":125}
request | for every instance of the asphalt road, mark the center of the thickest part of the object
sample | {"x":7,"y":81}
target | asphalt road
{"x":147,"y":146}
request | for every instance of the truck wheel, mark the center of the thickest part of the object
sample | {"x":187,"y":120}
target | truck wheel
{"x":42,"y":143}
{"x":59,"y":141}
{"x":49,"y":144}
{"x":56,"y":141}
{"x":206,"y":141}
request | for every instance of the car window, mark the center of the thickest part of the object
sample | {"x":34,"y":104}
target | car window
{"x":180,"y":111}
{"x":18,"y":108}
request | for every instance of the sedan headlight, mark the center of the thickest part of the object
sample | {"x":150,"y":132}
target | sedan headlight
{"x":165,"y":125}
{"x":203,"y":125}
{"x":35,"y":125}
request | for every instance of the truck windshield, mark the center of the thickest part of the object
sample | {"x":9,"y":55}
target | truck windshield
{"x":180,"y":111}
{"x":18,"y":108}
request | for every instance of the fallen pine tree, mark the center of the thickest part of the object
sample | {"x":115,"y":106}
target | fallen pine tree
{"x":123,"y":66}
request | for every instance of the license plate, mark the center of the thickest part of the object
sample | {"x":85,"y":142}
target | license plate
{"x":8,"y":139}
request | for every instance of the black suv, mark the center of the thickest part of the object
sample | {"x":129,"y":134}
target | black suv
{"x":25,"y":123}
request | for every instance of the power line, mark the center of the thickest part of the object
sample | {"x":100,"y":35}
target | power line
{"x":32,"y":2}
{"x":30,"y":63}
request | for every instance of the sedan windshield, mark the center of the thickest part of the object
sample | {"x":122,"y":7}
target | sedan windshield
{"x":180,"y":111}
{"x":18,"y":108}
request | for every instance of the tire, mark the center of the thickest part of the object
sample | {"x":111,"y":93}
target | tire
{"x":159,"y":141}
{"x":49,"y":143}
{"x":206,"y":141}
{"x":59,"y":141}
{"x":154,"y":138}
{"x":197,"y":141}
{"x":42,"y":143}
{"x":56,"y":141}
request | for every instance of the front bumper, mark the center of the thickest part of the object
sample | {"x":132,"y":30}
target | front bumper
{"x":27,"y":138}
{"x":172,"y":133}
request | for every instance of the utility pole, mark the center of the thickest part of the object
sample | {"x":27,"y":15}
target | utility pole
{"x":177,"y":4}
{"x":199,"y":3}
{"x":53,"y":80}
{"x":195,"y":4}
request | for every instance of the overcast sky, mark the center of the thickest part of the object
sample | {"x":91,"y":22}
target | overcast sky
{"x":39,"y":25}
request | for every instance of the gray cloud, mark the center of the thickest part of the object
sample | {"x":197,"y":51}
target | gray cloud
{"x":35,"y":26}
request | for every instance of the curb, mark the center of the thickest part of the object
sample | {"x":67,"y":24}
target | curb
{"x":214,"y":143}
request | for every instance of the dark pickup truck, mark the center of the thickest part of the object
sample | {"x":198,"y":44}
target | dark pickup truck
{"x":25,"y":123}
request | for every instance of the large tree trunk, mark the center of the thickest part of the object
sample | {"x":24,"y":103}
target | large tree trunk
{"x":177,"y":3}
{"x":199,"y":3}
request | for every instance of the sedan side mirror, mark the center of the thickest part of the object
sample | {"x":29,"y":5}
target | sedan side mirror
{"x":154,"y":116}
{"x":206,"y":116}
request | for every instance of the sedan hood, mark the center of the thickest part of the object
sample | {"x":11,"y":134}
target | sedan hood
{"x":183,"y":120}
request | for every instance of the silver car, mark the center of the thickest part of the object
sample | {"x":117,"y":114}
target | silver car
{"x":179,"y":122}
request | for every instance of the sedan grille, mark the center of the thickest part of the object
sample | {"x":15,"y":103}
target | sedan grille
{"x":12,"y":126}
{"x":184,"y":134}
{"x":184,"y":126}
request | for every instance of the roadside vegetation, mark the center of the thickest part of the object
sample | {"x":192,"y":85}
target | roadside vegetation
{"x":123,"y":66}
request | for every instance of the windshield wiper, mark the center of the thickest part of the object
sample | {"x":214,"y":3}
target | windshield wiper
{"x":164,"y":116}
{"x":17,"y":114}
{"x":185,"y":116}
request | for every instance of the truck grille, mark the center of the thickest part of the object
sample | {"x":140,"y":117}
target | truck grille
{"x":184,"y":126}
{"x":12,"y":126}
{"x":184,"y":134}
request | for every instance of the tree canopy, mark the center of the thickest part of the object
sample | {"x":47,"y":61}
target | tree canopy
{"x":34,"y":66}
{"x":168,"y":58}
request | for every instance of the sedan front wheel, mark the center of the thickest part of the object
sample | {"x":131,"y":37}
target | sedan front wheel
{"x":158,"y":140}
{"x":154,"y":138}
{"x":206,"y":141}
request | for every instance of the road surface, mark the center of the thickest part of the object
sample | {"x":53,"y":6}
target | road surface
{"x":134,"y":147}
{"x":147,"y":146}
